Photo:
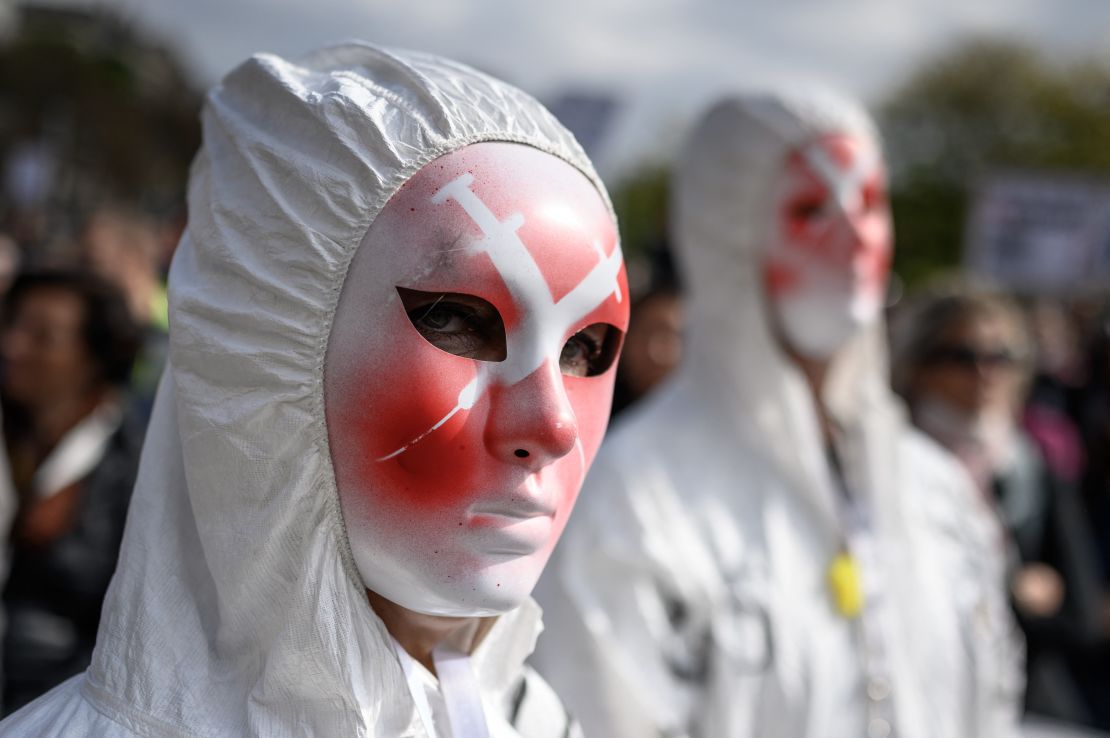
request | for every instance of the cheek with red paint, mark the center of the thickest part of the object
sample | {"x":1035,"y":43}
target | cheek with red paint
{"x":874,"y":261}
{"x":409,"y":393}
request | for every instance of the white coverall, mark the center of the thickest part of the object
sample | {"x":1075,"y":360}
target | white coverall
{"x":237,"y":609}
{"x":689,"y":593}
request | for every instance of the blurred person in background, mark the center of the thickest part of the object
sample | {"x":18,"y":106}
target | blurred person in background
{"x":11,"y":258}
{"x":1095,"y":426}
{"x":964,"y":363}
{"x":653,"y":345}
{"x":766,"y":547}
{"x":125,"y":247}
{"x":1053,"y":403}
{"x":67,"y":345}
{"x":396,"y":312}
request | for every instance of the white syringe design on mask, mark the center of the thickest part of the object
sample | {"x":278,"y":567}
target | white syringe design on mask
{"x":845,"y":184}
{"x":544,"y":321}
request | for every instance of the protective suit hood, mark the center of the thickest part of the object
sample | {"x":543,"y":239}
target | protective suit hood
{"x":237,"y":608}
{"x":723,"y":205}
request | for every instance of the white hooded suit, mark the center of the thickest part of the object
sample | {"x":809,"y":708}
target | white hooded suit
{"x":688,"y":595}
{"x":237,"y":609}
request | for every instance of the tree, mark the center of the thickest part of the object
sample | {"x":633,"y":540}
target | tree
{"x":641,"y":202}
{"x":113,"y":109}
{"x":984,"y":106}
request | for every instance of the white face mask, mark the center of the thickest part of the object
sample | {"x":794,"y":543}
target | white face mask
{"x":828,"y":258}
{"x":469,"y":375}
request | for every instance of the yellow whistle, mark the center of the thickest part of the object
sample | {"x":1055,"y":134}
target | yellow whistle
{"x":846,"y":585}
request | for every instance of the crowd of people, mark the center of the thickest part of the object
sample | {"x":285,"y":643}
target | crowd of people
{"x":386,"y":362}
{"x":82,"y":343}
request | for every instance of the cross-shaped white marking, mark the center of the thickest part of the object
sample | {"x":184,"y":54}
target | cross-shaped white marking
{"x":544,"y":321}
{"x":846,"y":185}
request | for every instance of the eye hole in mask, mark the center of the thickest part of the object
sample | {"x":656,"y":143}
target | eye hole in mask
{"x":463,"y":325}
{"x":468,"y":326}
{"x":590,"y":351}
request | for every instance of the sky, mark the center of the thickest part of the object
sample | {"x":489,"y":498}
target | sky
{"x":664,"y":60}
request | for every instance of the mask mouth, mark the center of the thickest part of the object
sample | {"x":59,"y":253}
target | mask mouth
{"x":818,"y":323}
{"x":518,"y":507}
{"x":519,"y":524}
{"x":508,"y":535}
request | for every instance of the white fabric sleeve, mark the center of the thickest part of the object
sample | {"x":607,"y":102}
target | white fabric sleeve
{"x":623,"y":651}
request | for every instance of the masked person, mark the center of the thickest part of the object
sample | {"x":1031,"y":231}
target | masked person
{"x":394,"y":316}
{"x":765,"y":548}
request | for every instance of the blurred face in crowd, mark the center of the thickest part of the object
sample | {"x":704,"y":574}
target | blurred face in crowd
{"x":10,"y":259}
{"x":469,"y":375}
{"x":124,"y":250}
{"x":975,"y":367}
{"x":828,"y":256}
{"x":653,"y":346}
{"x":45,"y":356}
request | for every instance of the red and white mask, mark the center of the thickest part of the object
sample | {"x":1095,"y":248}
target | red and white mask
{"x":828,"y":256}
{"x":469,"y":375}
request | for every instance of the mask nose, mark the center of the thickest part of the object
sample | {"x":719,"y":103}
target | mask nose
{"x":532,"y":423}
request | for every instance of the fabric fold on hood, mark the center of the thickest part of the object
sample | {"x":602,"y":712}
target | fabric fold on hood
{"x":237,"y":608}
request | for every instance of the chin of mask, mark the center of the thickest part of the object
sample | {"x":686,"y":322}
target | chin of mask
{"x":816,"y":324}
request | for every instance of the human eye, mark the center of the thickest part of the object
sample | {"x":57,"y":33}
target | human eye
{"x":590,"y":351}
{"x":463,"y":325}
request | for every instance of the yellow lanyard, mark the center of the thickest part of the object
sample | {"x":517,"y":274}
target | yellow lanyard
{"x":844,"y":575}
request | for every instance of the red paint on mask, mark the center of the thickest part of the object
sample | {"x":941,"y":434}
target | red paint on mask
{"x":843,"y":231}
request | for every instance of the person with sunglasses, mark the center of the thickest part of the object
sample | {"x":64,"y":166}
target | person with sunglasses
{"x":963,"y":361}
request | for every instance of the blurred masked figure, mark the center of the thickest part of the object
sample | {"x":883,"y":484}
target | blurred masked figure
{"x":766,"y":548}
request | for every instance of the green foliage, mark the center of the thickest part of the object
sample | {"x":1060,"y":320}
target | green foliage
{"x":986,"y":105}
{"x":116,"y":109}
{"x":928,"y":222}
{"x":641,"y":202}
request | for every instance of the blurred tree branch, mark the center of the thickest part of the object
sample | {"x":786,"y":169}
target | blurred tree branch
{"x":983,"y":106}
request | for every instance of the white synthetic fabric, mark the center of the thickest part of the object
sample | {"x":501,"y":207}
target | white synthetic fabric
{"x":236,"y":609}
{"x":688,"y":595}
